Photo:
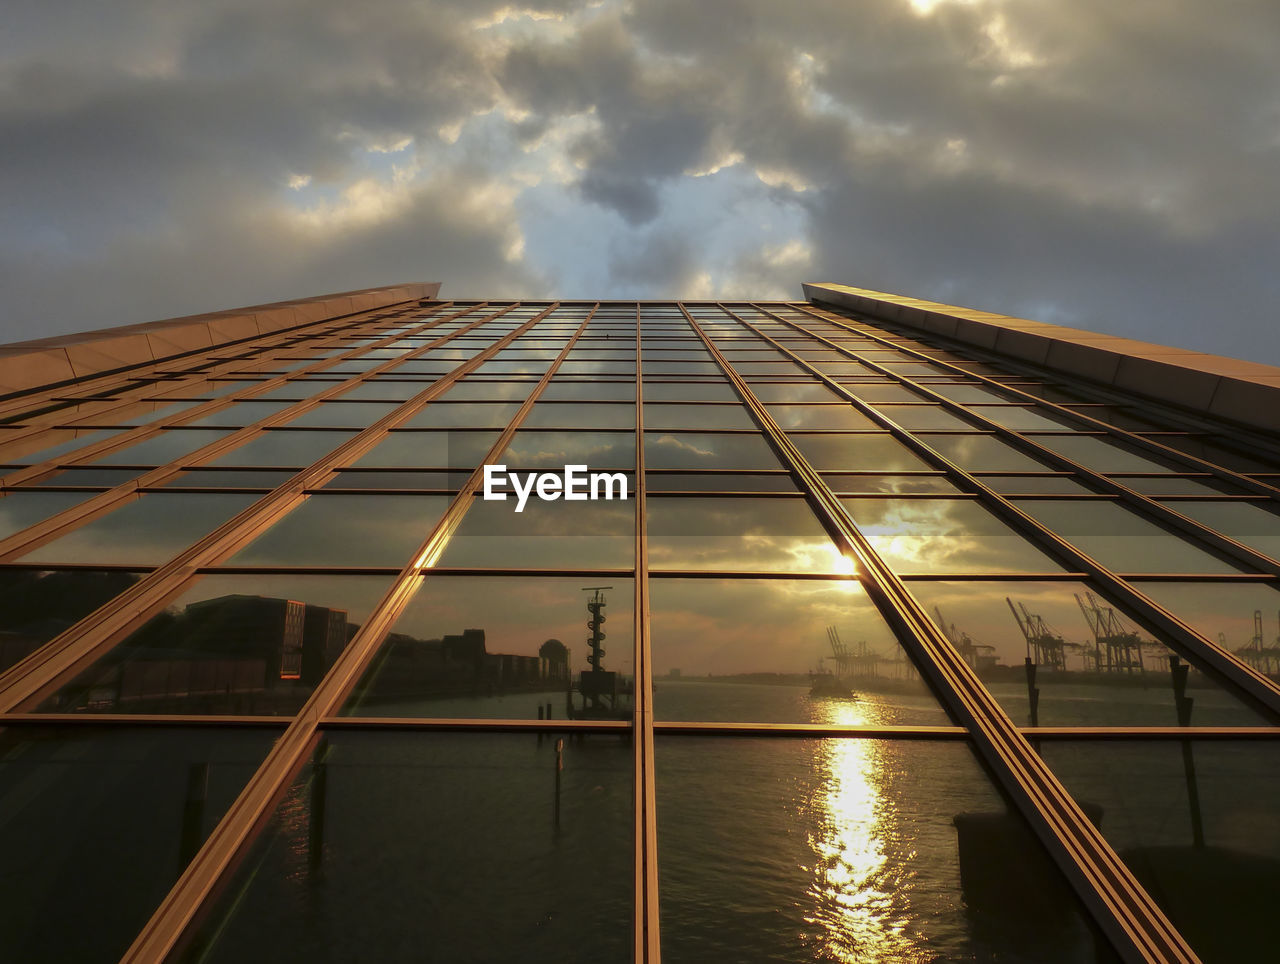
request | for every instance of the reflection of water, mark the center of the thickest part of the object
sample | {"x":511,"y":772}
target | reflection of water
{"x":855,"y":890}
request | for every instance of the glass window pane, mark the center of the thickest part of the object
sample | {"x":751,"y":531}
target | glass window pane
{"x":48,"y":445}
{"x":1119,"y":539}
{"x":983,"y":453}
{"x":229,"y":478}
{"x":1241,"y":617}
{"x":1029,"y":484}
{"x":789,"y":392}
{"x":464,"y":415}
{"x":689,"y":450}
{"x":664,"y":416}
{"x":566,"y":391}
{"x":165,"y":447}
{"x":1095,"y":665}
{"x":343,"y":415}
{"x":917,"y":418}
{"x":373,"y":855}
{"x":843,"y":484}
{"x":240,"y":414}
{"x":780,"y":651}
{"x":499,"y":647}
{"x":554,"y":450}
{"x":454,"y":450}
{"x":346,"y":530}
{"x":822,"y":418}
{"x":719,"y":482}
{"x":106,"y":478}
{"x":851,"y":850}
{"x":561,"y":415}
{"x":20,"y":510}
{"x":944,"y":535}
{"x":860,"y":453}
{"x":552,"y":535}
{"x":1245,"y":522}
{"x":232,"y":644}
{"x":1195,"y":824}
{"x":739,"y":535}
{"x":36,"y":606}
{"x":105,"y":820}
{"x":147,"y":530}
{"x":1102,"y":455}
{"x":284,"y":448}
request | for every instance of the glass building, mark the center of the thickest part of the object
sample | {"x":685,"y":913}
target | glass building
{"x":918,"y":634}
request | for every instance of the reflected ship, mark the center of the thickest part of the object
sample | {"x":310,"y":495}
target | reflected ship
{"x":857,"y":667}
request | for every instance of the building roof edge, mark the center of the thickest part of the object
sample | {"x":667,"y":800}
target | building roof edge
{"x":1241,"y":391}
{"x":48,"y":361}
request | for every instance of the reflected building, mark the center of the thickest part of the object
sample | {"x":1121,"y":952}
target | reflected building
{"x":923,"y":634}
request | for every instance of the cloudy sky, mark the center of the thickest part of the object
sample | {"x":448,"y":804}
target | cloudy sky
{"x":1110,"y":165}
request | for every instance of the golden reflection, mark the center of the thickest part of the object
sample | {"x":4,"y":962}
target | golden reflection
{"x":856,"y":888}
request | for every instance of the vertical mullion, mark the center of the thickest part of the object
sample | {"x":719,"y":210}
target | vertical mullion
{"x":252,"y":808}
{"x":1128,"y":915}
{"x":647,"y":918}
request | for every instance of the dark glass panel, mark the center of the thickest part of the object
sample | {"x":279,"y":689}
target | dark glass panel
{"x":1031,"y":484}
{"x":1103,"y":455}
{"x":230,"y":478}
{"x":569,"y":416}
{"x":926,"y":418}
{"x":545,"y":534}
{"x":858,"y":453}
{"x":944,"y":535}
{"x":499,"y":647}
{"x":107,"y":478}
{"x":1246,"y":522}
{"x":823,"y":418}
{"x":396,"y":846}
{"x":790,"y":392}
{"x":1195,"y":822}
{"x":454,"y":450}
{"x":889,"y":484}
{"x":713,"y":418}
{"x":717,"y":391}
{"x":983,"y":453}
{"x":1241,"y":617}
{"x":36,"y":606}
{"x":1024,"y":419}
{"x":99,"y":823}
{"x":1095,"y":665}
{"x":739,"y":534}
{"x":781,"y":651}
{"x":489,"y":390}
{"x":464,"y":415}
{"x":379,"y":389}
{"x":391,"y":479}
{"x":252,"y":644}
{"x":239,"y":414}
{"x":1120,"y":539}
{"x":284,"y":448}
{"x":343,"y":415}
{"x":48,"y":445}
{"x":548,"y":450}
{"x":346,"y":530}
{"x":1173,"y":485}
{"x":852,"y":850}
{"x":707,"y":451}
{"x":719,"y":482}
{"x":146,"y":530}
{"x":19,"y":510}
{"x":164,"y":447}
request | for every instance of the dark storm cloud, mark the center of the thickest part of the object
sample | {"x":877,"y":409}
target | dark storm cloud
{"x":1103,"y":165}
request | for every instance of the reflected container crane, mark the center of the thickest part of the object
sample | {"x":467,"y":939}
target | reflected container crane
{"x":1117,"y":648}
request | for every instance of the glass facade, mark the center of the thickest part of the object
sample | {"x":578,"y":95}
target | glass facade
{"x":865,"y":645}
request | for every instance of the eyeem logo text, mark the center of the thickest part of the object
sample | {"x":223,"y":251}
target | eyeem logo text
{"x":575,"y":484}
